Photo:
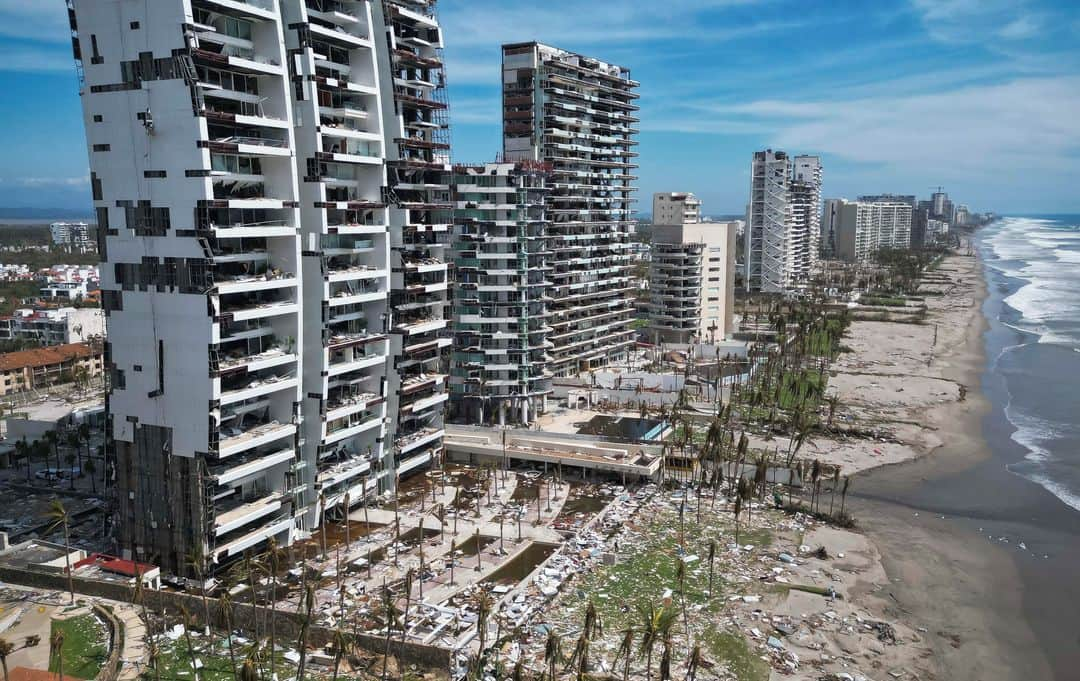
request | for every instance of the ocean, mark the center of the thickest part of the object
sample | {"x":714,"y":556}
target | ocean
{"x":1033,"y":348}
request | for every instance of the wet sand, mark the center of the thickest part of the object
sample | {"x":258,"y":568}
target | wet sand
{"x":949,"y":526}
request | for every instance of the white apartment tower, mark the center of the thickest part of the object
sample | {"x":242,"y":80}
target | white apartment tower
{"x":577,"y":114}
{"x":783,"y":221}
{"x":498,"y":364}
{"x":254,"y":225}
{"x":861,"y":228}
{"x":675,"y":208}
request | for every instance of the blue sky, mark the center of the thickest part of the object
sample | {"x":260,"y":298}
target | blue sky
{"x":981,"y":96}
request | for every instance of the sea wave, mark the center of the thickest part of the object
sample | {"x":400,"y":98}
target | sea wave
{"x":1040,"y":252}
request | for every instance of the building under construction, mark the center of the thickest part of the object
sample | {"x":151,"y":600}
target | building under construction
{"x":577,"y":114}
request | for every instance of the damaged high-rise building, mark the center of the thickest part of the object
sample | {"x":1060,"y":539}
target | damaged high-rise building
{"x":783,"y":221}
{"x":577,"y":114}
{"x":271,"y":182}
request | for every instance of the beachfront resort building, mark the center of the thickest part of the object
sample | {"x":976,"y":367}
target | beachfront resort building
{"x":287,"y":166}
{"x":578,"y":114}
{"x":783,"y":222}
{"x":691,"y":281}
{"x":498,"y":363}
{"x":859,"y":229}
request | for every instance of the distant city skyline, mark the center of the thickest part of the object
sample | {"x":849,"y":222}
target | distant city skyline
{"x":898,"y":97}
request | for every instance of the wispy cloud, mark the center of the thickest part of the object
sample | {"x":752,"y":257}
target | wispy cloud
{"x":42,"y":20}
{"x":1022,"y":126}
{"x":971,"y":21}
{"x":35,"y":58}
{"x":45,"y":182}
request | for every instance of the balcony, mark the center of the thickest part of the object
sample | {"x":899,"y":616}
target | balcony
{"x":254,"y":305}
{"x":236,"y":546}
{"x":239,"y":514}
{"x":346,"y":467}
{"x":253,"y":386}
{"x":248,"y":466}
{"x":354,"y":358}
{"x":236,"y":440}
{"x":424,"y":436}
{"x":240,"y":359}
{"x":351,"y":426}
{"x":421,"y":325}
{"x":346,"y":403}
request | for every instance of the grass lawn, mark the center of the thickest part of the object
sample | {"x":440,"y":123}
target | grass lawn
{"x":86,"y":645}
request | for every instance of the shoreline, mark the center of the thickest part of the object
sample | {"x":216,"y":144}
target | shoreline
{"x":948,"y":523}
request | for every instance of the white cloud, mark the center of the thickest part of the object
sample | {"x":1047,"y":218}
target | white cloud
{"x":44,"y":20}
{"x":971,"y":21}
{"x":47,"y":181}
{"x":1025,"y":126}
{"x":31,"y":58}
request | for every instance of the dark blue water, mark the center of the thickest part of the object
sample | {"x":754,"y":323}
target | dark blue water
{"x":1033,"y":275}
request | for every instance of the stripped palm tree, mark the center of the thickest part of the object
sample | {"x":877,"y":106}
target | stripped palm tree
{"x":185,"y":617}
{"x":225,"y":619}
{"x":340,"y":642}
{"x":58,"y":516}
{"x":272,"y":565}
{"x":625,"y":651}
{"x":56,"y":651}
{"x":656,"y":623}
{"x":693,"y":662}
{"x":6,"y":648}
{"x":154,"y":657}
{"x":391,"y":619}
{"x":552,"y":652}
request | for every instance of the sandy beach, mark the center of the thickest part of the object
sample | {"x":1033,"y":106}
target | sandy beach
{"x":920,"y":385}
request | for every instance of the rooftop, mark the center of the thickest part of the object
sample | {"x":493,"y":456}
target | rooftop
{"x":40,"y":357}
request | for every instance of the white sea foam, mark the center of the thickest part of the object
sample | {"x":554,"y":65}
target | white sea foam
{"x":1049,"y":268}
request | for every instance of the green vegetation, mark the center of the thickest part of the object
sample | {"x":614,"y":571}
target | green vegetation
{"x":651,"y":567}
{"x":884,"y":301}
{"x":733,"y":649}
{"x":639,"y":324}
{"x":174,"y":661}
{"x":86,"y":645}
{"x":13,"y":292}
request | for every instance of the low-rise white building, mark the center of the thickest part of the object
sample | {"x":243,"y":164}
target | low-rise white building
{"x":692,"y":282}
{"x":53,"y":326}
{"x":73,"y":237}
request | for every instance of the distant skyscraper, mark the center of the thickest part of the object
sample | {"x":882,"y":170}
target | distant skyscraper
{"x":783,"y":221}
{"x":806,"y":214}
{"x":862,"y":228}
{"x":577,"y":114}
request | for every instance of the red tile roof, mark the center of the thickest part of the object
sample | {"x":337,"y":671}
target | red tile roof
{"x":40,"y":357}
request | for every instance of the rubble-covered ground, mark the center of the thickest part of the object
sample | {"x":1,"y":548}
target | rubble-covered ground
{"x":793,"y":599}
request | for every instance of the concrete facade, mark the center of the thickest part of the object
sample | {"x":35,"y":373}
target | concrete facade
{"x":498,"y":364}
{"x":577,"y":113}
{"x":275,"y":285}
{"x":692,"y":282}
